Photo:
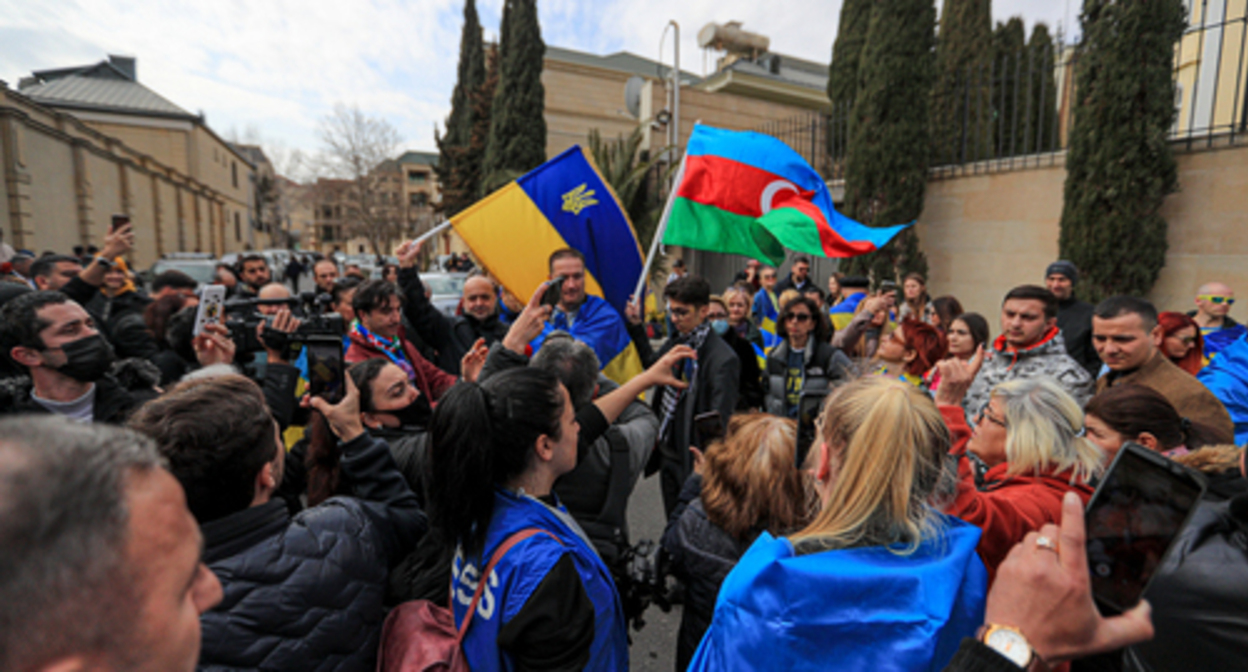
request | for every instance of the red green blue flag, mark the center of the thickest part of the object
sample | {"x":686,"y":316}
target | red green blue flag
{"x":750,"y":194}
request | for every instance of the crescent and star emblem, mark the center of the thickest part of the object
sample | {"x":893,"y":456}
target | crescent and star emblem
{"x":770,"y":191}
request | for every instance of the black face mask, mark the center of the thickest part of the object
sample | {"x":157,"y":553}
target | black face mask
{"x":415,"y":414}
{"x":87,"y":359}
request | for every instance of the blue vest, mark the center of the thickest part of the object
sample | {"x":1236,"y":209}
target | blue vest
{"x":521,"y":571}
{"x":854,"y":609}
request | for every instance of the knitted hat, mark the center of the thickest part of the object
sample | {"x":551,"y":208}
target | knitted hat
{"x":1063,"y":267}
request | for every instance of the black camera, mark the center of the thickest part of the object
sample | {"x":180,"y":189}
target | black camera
{"x":243,"y":318}
{"x":641,"y":577}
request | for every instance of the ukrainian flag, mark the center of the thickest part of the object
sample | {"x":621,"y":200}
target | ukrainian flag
{"x":565,"y":202}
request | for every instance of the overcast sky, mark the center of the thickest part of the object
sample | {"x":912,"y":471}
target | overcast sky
{"x":272,"y":69}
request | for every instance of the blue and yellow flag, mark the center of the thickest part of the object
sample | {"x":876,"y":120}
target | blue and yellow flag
{"x":565,"y":202}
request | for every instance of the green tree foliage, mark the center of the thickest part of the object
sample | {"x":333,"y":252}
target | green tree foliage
{"x":517,"y":141}
{"x":1119,"y":166}
{"x":459,"y":169}
{"x":1041,"y":127}
{"x":851,"y":36}
{"x":1009,"y":67}
{"x":889,"y":134}
{"x":960,"y":95}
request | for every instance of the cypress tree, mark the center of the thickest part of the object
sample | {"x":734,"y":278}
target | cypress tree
{"x":1008,"y":43}
{"x":1041,"y":126}
{"x":482,"y":106}
{"x":960,"y":106}
{"x":458,"y":171}
{"x":889,"y":134}
{"x":1119,"y":165}
{"x":851,"y":35}
{"x":517,"y":141}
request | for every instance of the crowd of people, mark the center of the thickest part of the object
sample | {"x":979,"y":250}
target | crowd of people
{"x":172,"y":498}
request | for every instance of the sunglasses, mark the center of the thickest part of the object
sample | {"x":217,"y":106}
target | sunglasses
{"x":1217,"y":300}
{"x":1187,"y":340}
{"x":797,"y":317}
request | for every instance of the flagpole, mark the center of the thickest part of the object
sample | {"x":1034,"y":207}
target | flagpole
{"x":446,"y":223}
{"x":658,"y":232}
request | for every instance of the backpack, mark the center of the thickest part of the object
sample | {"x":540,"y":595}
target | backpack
{"x":420,"y":636}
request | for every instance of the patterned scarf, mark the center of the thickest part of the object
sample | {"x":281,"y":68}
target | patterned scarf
{"x":671,"y":395}
{"x":392,"y":349}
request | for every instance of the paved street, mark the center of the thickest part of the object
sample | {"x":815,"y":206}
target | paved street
{"x":654,"y":648}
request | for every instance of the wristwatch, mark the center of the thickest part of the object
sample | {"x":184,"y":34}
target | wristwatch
{"x":1008,"y":642}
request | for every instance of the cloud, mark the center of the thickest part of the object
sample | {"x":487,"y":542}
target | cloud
{"x":279,"y":66}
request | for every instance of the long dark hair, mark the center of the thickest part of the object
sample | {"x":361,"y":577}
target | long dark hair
{"x":482,"y":436}
{"x":976,"y":324}
{"x":947,"y":308}
{"x":822,"y":328}
{"x":323,"y":460}
{"x":1133,"y":409}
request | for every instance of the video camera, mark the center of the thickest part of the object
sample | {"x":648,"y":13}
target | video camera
{"x":243,"y":318}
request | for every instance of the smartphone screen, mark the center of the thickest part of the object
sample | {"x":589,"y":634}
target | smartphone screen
{"x":211,"y":307}
{"x":710,"y":427}
{"x":325,"y":369}
{"x":553,"y":293}
{"x":1133,"y":518}
{"x":120,"y":221}
{"x":809,"y":405}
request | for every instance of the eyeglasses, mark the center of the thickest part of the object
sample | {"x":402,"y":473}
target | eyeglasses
{"x":797,"y":317}
{"x":1217,"y":300}
{"x":717,"y":316}
{"x":985,"y":415}
{"x":1187,"y":340}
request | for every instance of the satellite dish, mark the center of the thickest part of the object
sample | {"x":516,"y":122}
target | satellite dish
{"x":632,"y":95}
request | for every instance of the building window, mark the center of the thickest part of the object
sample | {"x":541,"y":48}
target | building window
{"x":417,"y":177}
{"x":327,"y":212}
{"x":238,"y":228}
{"x":327,"y":234}
{"x":418,"y":199}
{"x":234,"y":173}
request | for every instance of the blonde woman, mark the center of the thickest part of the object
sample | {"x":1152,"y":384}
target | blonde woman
{"x":879,"y":580}
{"x":1031,"y":439}
{"x":738,"y":301}
{"x":749,"y":483}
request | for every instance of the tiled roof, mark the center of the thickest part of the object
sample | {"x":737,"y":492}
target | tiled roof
{"x":620,"y":60}
{"x":421,"y":158}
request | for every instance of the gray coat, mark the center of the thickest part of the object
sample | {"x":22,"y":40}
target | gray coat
{"x":824,"y":364}
{"x":1048,"y":359}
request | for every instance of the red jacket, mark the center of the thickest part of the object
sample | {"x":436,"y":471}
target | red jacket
{"x":430,"y":380}
{"x":1007,"y":508}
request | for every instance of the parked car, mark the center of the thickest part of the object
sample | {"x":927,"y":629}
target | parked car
{"x":202,"y":269}
{"x":445,"y":290}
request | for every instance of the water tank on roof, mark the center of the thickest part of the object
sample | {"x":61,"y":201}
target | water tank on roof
{"x":730,"y":38}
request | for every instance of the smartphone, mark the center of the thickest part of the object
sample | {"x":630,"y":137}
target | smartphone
{"x":211,"y":307}
{"x":325,"y":368}
{"x":1132,"y":521}
{"x":119,"y":221}
{"x":554,"y":292}
{"x":709,"y":426}
{"x":809,"y":405}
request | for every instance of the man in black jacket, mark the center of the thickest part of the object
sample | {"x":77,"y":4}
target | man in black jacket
{"x":55,"y":341}
{"x":1074,"y":317}
{"x":713,"y":381}
{"x":451,"y":337}
{"x":798,"y":278}
{"x":301,"y":593}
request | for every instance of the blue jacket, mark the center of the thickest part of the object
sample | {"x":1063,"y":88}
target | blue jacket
{"x":521,"y":571}
{"x":855,"y":609}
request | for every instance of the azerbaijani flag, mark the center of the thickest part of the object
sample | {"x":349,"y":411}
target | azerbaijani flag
{"x":564,"y":202}
{"x":750,"y":194}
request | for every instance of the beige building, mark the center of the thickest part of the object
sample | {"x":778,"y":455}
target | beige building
{"x":63,"y":181}
{"x":1211,"y":61}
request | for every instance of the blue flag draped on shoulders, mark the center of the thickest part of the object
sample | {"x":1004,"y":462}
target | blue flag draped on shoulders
{"x":1227,"y":378}
{"x":853,"y":609}
{"x":843,"y":313}
{"x":562,"y":203}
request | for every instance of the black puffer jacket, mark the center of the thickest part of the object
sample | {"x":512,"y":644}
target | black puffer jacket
{"x":1199,"y":594}
{"x":702,"y":554}
{"x":306,"y":593}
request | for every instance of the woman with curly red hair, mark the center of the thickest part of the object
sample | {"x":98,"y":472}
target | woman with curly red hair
{"x":1181,"y":341}
{"x":910,"y":351}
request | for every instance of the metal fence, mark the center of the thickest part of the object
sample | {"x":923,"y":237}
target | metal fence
{"x":1015,"y":110}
